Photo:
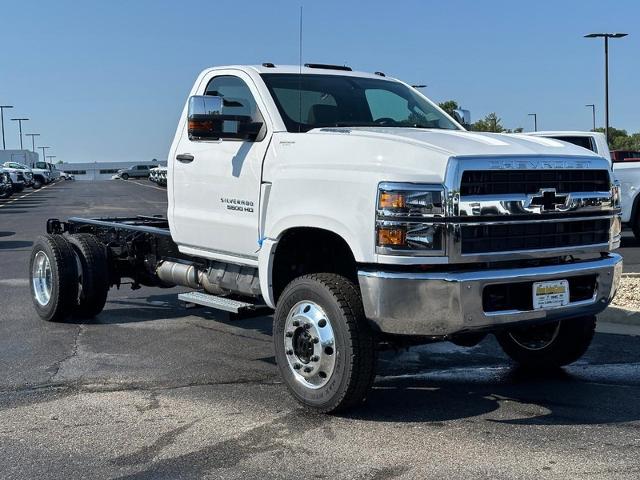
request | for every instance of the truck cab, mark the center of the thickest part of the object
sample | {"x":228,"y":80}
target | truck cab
{"x":365,"y":217}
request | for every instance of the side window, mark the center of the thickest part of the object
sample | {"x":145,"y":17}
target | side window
{"x":237,"y":99}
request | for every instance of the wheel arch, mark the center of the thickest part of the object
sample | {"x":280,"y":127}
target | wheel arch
{"x":282,"y":259}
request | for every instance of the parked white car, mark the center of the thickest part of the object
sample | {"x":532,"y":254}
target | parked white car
{"x":41,"y":174}
{"x":627,"y":172}
{"x":23,"y":174}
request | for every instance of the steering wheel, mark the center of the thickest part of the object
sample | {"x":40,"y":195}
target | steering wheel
{"x":385,"y":121}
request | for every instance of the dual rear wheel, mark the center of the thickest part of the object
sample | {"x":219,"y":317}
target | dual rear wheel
{"x":68,"y":276}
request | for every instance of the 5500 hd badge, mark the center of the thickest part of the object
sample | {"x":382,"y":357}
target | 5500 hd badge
{"x":237,"y":204}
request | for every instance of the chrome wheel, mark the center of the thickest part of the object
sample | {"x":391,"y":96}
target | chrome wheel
{"x":536,"y":338}
{"x":42,"y":278}
{"x":309,"y":344}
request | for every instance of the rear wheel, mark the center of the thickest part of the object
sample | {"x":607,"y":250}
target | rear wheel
{"x":125,"y":176}
{"x":93,"y":274}
{"x":551,"y":345}
{"x":54,"y":278}
{"x":323,"y":344}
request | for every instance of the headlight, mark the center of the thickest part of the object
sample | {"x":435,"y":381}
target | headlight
{"x":409,"y":219}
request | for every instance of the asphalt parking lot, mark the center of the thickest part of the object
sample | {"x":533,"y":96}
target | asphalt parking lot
{"x":152,"y":391}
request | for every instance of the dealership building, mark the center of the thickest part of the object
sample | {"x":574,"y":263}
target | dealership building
{"x":81,"y":171}
{"x":100,"y":170}
{"x":25,"y":157}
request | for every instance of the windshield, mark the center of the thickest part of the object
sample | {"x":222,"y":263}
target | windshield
{"x":311,"y":101}
{"x":41,"y":165}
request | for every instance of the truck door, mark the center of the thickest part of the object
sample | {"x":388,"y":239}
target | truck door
{"x":216,"y":194}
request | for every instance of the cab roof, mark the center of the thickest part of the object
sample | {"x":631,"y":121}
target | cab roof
{"x":306,"y":70}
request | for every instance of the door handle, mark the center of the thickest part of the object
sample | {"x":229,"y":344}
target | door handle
{"x":185,"y":157}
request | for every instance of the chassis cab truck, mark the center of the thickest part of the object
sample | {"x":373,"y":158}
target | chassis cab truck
{"x":364,"y":216}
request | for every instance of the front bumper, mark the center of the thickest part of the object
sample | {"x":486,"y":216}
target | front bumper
{"x":445,"y":303}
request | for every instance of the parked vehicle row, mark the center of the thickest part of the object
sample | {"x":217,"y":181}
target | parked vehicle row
{"x":15,"y":177}
{"x":158,"y":175}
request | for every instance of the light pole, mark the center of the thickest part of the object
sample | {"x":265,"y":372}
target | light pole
{"x":535,"y":121}
{"x":20,"y":120}
{"x":33,"y":140}
{"x":606,"y":37}
{"x":593,"y":114}
{"x":50,"y":157}
{"x":2,"y":107}
{"x":44,"y":155}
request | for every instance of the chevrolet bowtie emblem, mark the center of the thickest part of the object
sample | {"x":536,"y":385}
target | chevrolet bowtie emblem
{"x":548,"y":200}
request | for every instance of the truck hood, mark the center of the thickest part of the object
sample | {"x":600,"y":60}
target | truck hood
{"x":461,"y":143}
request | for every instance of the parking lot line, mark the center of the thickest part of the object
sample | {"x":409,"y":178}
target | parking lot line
{"x":9,"y":202}
{"x":148,"y":186}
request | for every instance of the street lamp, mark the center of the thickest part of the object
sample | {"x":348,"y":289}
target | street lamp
{"x":44,"y":155}
{"x":2,"y":107}
{"x":606,"y":37}
{"x":593,"y":114}
{"x":535,"y":121}
{"x":20,"y":120}
{"x":33,"y":140}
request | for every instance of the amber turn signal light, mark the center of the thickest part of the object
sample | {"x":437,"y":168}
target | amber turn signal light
{"x":392,"y":200}
{"x":391,"y":236}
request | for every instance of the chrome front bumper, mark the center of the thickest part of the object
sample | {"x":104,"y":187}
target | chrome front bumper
{"x":440,"y":304}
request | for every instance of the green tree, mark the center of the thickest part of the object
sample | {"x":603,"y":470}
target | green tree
{"x":449,"y":106}
{"x":490,"y":123}
{"x":620,"y":139}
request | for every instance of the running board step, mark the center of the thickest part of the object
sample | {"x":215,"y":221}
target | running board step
{"x":220,"y":303}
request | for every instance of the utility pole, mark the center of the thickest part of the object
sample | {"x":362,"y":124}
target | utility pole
{"x":2,"y":107}
{"x":20,"y":120}
{"x":535,"y":121}
{"x":593,"y":114}
{"x":33,"y":140}
{"x":44,"y":155}
{"x":606,"y":37}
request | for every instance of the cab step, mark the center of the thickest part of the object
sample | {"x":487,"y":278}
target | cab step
{"x":219,"y":303}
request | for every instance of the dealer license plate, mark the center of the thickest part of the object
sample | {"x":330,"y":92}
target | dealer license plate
{"x":551,"y":294}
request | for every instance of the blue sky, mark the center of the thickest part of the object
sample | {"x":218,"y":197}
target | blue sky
{"x":106,"y":80}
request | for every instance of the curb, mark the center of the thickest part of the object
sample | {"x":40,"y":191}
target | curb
{"x":620,"y":316}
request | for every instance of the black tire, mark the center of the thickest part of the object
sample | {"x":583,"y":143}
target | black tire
{"x":124,"y":176}
{"x":6,"y":193}
{"x":37,"y":183}
{"x":94,"y":275}
{"x":569,"y":340}
{"x":354,"y":348}
{"x":63,"y":276}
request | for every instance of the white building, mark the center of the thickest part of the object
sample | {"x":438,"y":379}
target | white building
{"x":99,"y":170}
{"x":26,"y":157}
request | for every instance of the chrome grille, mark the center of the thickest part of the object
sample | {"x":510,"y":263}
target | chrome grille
{"x":500,"y":182}
{"x":535,"y":235}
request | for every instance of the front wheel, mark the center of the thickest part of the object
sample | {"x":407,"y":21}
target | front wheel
{"x":323,"y":344}
{"x":36,"y":184}
{"x":124,"y":176}
{"x":551,"y":345}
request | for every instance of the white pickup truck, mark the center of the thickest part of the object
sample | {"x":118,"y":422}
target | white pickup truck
{"x":627,"y":172}
{"x":366,"y":217}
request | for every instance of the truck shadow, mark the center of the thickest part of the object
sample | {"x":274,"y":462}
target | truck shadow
{"x":506,"y":395}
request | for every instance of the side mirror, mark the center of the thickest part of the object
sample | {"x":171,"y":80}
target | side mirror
{"x":462,"y":116}
{"x":208,"y":121}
